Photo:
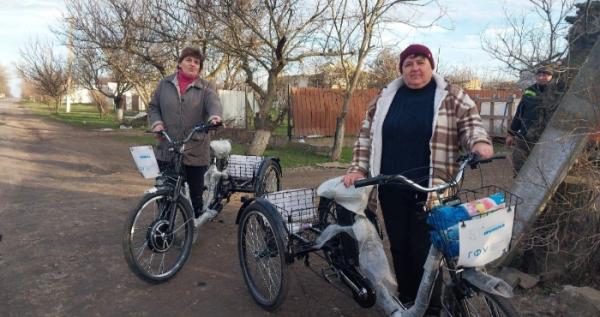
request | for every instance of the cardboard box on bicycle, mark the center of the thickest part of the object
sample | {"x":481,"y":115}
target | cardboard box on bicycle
{"x":145,"y":160}
{"x":485,"y":238}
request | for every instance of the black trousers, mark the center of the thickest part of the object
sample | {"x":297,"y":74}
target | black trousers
{"x":408,"y":233}
{"x":195,"y":179}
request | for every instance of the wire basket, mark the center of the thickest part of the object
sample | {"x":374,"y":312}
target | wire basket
{"x":463,"y":207}
{"x":298,"y":208}
{"x":243,"y":166}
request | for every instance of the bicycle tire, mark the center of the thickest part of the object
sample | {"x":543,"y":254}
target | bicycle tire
{"x":261,"y":252}
{"x":269,"y":177}
{"x":144,"y":238}
{"x":480,"y":303}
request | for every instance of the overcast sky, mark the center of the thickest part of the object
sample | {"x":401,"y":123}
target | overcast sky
{"x":456,"y":38}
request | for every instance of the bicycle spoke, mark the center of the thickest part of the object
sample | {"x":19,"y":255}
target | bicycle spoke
{"x":181,"y":226}
{"x":161,"y":268}
{"x":142,"y":248}
{"x":256,"y":246}
{"x":148,"y":263}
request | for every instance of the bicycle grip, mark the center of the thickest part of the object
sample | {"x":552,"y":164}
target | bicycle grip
{"x":488,"y":160}
{"x":370,"y":181}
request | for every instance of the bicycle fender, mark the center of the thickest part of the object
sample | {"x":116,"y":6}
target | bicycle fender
{"x":245,"y":203}
{"x":263,"y":165}
{"x":488,"y":283}
{"x":151,"y":190}
{"x":264,"y":204}
{"x":160,"y":190}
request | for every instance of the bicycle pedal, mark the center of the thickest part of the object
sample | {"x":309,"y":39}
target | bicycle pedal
{"x":330,"y":274}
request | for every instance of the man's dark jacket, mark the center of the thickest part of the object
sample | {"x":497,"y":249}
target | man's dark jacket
{"x":529,"y":111}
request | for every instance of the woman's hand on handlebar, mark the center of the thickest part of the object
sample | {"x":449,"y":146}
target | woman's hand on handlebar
{"x":157,"y":129}
{"x":216,"y":120}
{"x":484,"y":150}
{"x":510,"y":140}
{"x":352,"y":177}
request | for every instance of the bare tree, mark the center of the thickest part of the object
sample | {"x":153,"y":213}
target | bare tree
{"x":459,"y":75}
{"x":4,"y":88}
{"x":531,"y":40}
{"x":119,"y":34}
{"x":94,"y":70}
{"x":146,"y":35}
{"x":29,"y":91}
{"x":384,"y":68}
{"x":45,"y":69}
{"x":101,"y":101}
{"x":265,"y":36}
{"x":354,"y":23}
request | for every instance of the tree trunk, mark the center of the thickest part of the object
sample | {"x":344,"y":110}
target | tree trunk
{"x":118,"y":100}
{"x":57,"y":104}
{"x":338,"y":142}
{"x":259,"y":142}
{"x":262,"y":120}
{"x":144,"y":94}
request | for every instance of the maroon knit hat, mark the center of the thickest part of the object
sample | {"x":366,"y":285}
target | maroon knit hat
{"x":416,"y":49}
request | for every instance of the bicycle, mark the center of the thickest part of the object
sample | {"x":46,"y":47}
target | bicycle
{"x":160,"y":230}
{"x":280,"y":227}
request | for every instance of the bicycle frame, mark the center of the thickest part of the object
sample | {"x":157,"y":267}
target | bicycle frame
{"x":178,"y":148}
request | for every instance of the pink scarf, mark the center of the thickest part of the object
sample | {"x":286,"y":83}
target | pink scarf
{"x":184,"y":81}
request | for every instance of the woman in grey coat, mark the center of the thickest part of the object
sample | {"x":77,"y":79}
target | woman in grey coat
{"x":181,"y":101}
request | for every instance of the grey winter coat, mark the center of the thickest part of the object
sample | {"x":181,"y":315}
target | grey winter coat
{"x":179,"y":114}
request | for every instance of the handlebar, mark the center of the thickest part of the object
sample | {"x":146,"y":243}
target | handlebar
{"x":199,"y":128}
{"x":472,"y":159}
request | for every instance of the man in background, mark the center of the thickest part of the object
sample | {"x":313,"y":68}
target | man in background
{"x":521,"y":136}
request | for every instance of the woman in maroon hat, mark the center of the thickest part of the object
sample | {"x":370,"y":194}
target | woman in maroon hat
{"x":415,"y":127}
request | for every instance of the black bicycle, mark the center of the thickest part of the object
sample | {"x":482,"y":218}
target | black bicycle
{"x":160,"y":230}
{"x":280,"y":227}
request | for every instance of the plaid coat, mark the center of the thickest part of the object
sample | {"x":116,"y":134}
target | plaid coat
{"x":456,"y":125}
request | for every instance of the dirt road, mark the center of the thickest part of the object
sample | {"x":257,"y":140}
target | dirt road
{"x":64,"y":196}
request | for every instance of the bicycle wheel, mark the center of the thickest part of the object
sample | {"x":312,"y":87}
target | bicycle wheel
{"x":269,"y":178}
{"x":261,"y":252}
{"x":479,"y":304}
{"x":152,"y":251}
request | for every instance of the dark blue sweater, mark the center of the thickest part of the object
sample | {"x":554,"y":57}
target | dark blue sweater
{"x":406,"y":134}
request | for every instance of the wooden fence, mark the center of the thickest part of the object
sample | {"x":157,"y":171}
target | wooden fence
{"x":500,"y":94}
{"x":314,"y":110}
{"x":497,"y":114}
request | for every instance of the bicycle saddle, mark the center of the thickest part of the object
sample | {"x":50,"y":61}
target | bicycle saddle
{"x":221,"y":148}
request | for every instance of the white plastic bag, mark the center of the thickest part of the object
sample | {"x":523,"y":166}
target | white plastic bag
{"x":351,"y":198}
